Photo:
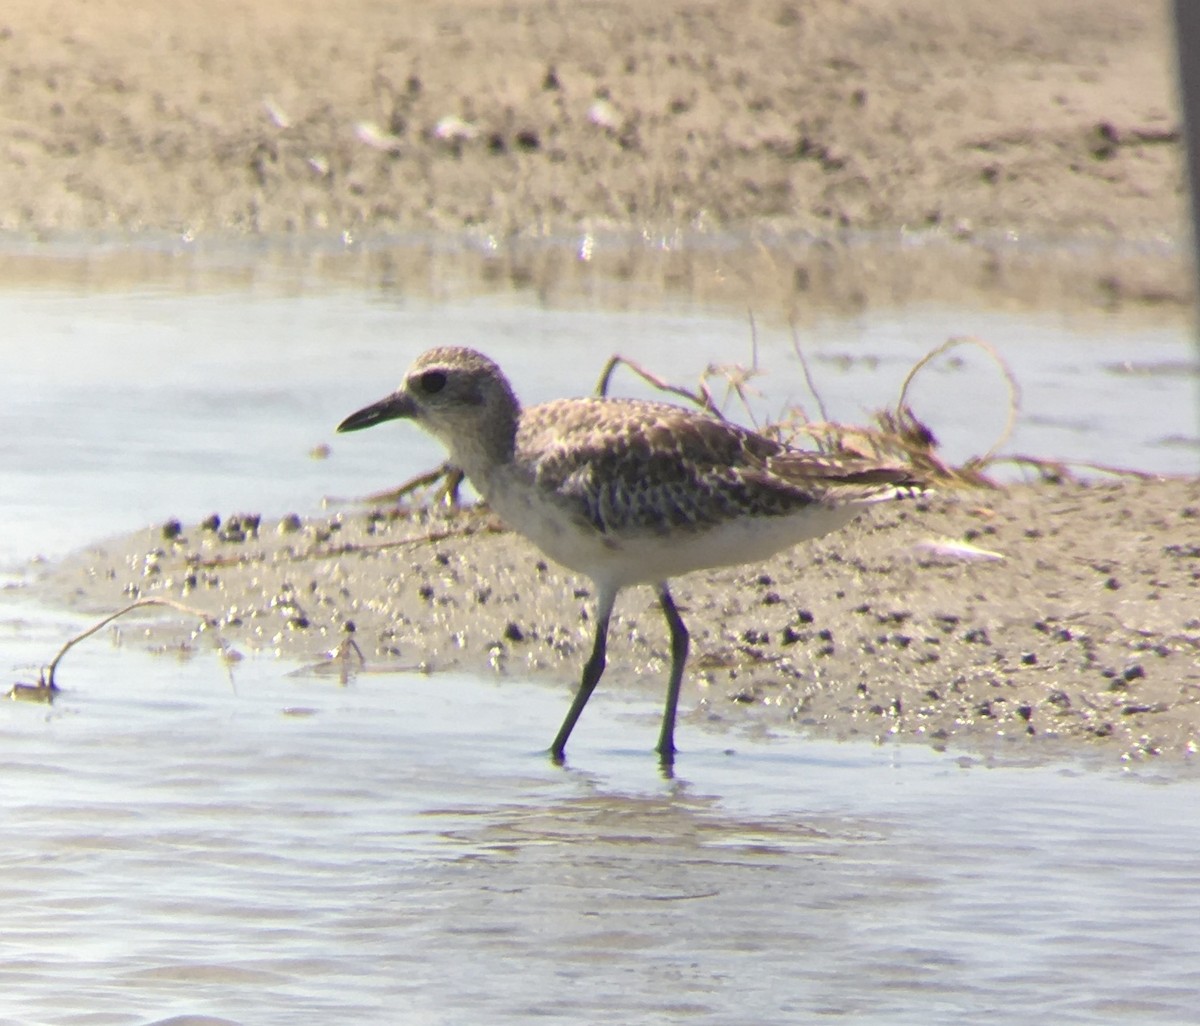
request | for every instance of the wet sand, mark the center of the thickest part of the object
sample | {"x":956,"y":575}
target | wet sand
{"x":858,"y":153}
{"x":1073,"y":621}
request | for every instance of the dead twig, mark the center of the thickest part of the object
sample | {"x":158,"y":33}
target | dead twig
{"x":46,"y":686}
{"x":702,"y":398}
{"x":1060,"y":470}
{"x":1014,"y":389}
{"x":451,"y":477}
{"x":808,"y":378}
{"x":349,"y":548}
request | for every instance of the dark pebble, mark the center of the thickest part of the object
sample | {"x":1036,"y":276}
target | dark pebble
{"x":513,"y":632}
{"x":172,"y":529}
{"x":210,"y":523}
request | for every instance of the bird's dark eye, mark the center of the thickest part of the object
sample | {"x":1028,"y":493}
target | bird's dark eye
{"x":432,"y":381}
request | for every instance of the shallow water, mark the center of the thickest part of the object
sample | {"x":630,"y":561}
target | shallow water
{"x":402,"y":850}
{"x":178,"y":844}
{"x":129,"y":406}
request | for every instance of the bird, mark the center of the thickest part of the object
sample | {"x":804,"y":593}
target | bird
{"x":630,"y":491}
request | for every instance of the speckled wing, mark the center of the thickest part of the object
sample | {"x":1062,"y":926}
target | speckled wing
{"x":634,"y":466}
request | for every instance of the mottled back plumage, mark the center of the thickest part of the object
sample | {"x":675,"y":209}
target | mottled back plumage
{"x":638,"y":466}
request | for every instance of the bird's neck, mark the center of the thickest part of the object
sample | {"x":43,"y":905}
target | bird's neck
{"x":488,"y":449}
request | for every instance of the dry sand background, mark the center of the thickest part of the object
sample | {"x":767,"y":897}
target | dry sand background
{"x":1034,"y":143}
{"x":1050,"y":121}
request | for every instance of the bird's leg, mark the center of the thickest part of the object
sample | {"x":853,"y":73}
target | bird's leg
{"x":592,"y":671}
{"x":679,"y":652}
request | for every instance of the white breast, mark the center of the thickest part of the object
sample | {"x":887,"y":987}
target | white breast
{"x":646,"y":558}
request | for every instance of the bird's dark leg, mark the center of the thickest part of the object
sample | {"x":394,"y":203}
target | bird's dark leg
{"x":592,"y":671}
{"x":679,"y":652}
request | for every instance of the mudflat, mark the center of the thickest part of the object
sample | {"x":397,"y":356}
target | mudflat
{"x":1012,"y":621}
{"x":1026,"y":152}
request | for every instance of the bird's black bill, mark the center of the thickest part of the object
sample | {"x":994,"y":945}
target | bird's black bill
{"x":393,"y":407}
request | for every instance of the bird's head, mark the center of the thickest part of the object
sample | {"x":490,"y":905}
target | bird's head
{"x":459,"y":396}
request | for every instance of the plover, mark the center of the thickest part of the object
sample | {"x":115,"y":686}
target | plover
{"x":629,"y":491}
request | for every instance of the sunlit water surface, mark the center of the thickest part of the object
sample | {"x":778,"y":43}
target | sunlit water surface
{"x":184,"y":844}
